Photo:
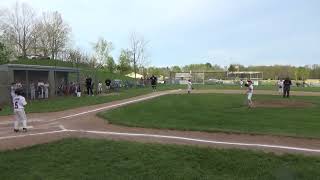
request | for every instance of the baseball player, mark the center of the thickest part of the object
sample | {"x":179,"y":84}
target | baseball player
{"x":20,"y":116}
{"x":241,"y":83}
{"x":46,"y":90}
{"x":280,"y":86}
{"x":189,"y":85}
{"x":249,"y":93}
{"x":40,"y":90}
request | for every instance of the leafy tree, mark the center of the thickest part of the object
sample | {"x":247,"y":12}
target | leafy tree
{"x":175,"y":69}
{"x":155,"y":71}
{"x":4,"y":54}
{"x":208,"y":65}
{"x":102,"y":50}
{"x":111,"y":65}
{"x":232,"y":68}
{"x":124,"y":64}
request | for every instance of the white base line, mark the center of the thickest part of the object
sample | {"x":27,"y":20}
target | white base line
{"x":99,"y":109}
{"x":35,"y":134}
{"x":170,"y":137}
{"x":115,"y":105}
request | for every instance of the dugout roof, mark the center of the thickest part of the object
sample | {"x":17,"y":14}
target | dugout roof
{"x":25,"y":67}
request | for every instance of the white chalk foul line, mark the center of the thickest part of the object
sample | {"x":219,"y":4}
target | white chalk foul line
{"x":112,"y":106}
{"x":98,"y":109}
{"x":170,"y":137}
{"x":200,"y":140}
{"x":35,"y":134}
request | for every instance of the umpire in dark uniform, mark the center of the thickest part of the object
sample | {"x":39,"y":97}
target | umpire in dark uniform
{"x":286,"y":87}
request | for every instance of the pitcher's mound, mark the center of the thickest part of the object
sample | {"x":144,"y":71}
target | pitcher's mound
{"x":284,"y":103}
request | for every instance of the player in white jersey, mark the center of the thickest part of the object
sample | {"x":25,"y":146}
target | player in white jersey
{"x":189,"y":84}
{"x":20,"y":116}
{"x":99,"y":87}
{"x":241,"y":83}
{"x":250,"y":93}
{"x":280,"y":86}
{"x":46,"y":90}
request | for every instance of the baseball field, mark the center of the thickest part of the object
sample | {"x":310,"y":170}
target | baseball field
{"x":101,"y":159}
{"x":297,"y":116}
{"x":136,"y":134}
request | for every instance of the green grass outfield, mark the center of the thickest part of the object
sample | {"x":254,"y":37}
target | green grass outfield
{"x":264,"y":87}
{"x":64,"y":103}
{"x":220,"y":112}
{"x":100,"y":159}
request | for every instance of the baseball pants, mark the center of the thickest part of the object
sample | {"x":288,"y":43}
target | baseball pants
{"x":20,"y":116}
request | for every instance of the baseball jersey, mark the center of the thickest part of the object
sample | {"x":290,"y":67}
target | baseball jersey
{"x":19,"y":102}
{"x":250,"y":89}
{"x":189,"y":85}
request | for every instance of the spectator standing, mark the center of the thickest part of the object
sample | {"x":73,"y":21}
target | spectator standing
{"x":153,"y":80}
{"x":108,"y":84}
{"x":89,"y":86}
{"x":99,"y":87}
{"x":78,"y":90}
{"x":32,"y":91}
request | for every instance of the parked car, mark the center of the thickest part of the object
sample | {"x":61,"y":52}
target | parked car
{"x":37,"y":57}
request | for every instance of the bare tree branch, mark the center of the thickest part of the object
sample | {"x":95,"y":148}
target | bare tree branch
{"x":138,"y":48}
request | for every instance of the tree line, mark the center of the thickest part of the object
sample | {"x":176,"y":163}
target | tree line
{"x":24,"y":33}
{"x":272,"y":72}
{"x":275,"y":72}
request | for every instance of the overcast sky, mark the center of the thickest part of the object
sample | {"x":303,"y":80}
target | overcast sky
{"x":249,"y":32}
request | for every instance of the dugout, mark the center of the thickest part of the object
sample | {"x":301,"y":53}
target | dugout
{"x":11,"y":73}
